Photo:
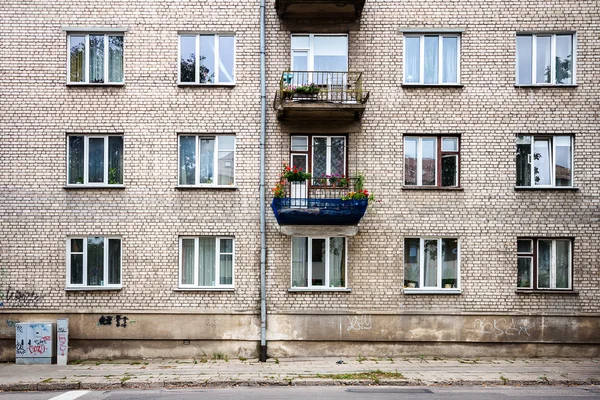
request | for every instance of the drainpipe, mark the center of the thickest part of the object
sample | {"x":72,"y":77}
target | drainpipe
{"x":263,"y":244}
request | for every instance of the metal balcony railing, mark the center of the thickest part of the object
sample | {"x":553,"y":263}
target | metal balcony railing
{"x":325,"y":86}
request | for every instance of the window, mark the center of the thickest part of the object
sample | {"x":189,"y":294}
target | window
{"x":544,"y":161}
{"x":432,"y":59}
{"x":95,"y":58}
{"x":206,"y":262}
{"x":425,"y":156}
{"x":207,"y":59}
{"x":95,"y":160}
{"x":318,"y":263}
{"x":544,"y":263}
{"x":94,"y":262}
{"x":534,"y":59}
{"x":431,"y":263}
{"x":326,"y":155}
{"x":319,"y":52}
{"x":206,"y":160}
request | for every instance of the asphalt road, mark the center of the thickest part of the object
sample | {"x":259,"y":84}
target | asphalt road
{"x":325,"y":392}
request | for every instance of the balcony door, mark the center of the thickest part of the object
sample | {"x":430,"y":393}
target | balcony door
{"x":320,"y":59}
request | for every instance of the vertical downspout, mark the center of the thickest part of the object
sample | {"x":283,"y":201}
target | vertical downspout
{"x":263,"y":245}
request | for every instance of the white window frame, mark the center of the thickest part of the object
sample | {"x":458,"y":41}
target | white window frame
{"x":215,"y":160}
{"x":86,"y":159}
{"x":217,"y":265}
{"x":310,"y":50}
{"x":86,"y":71}
{"x":440,"y":58}
{"x":552,"y":160}
{"x":216,"y":68}
{"x":438,"y":288}
{"x":534,"y":39}
{"x":420,"y":159}
{"x":309,"y":260}
{"x":84,"y":285}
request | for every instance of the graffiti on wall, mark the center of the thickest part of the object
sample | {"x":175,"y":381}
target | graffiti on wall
{"x":120,"y":320}
{"x":359,"y":323}
{"x":20,"y":298}
{"x":502,"y":326}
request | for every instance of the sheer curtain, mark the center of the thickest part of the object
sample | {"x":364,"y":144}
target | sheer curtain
{"x":115,"y":159}
{"x":450,"y":60}
{"x":412,"y":60}
{"x":96,"y":58}
{"x":187,"y":263}
{"x":299,"y":262}
{"x":431,"y":59}
{"x":337,"y":262}
{"x":206,"y":262}
{"x":115,"y":58}
{"x":226,"y":262}
{"x":207,"y":155}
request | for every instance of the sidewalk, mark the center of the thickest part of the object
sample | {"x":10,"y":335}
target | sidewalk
{"x":157,"y":373}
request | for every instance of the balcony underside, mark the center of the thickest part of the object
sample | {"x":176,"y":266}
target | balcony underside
{"x":320,"y":110}
{"x":321,"y":9}
{"x":318,"y":211}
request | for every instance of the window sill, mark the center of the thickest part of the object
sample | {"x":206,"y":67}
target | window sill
{"x":205,"y":289}
{"x":200,"y":187}
{"x":74,"y":84}
{"x":432,"y":291}
{"x":547,"y":291}
{"x":543,"y":85}
{"x":448,"y":188}
{"x":432,"y":85}
{"x":92,"y":288}
{"x":185,"y":84}
{"x":120,"y":187}
{"x":347,"y":290}
{"x":567,"y":188}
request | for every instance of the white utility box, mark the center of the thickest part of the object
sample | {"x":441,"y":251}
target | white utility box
{"x":35,"y":343}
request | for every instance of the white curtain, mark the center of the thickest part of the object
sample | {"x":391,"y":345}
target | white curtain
{"x":206,"y":261}
{"x":299,"y":262}
{"x":450,"y":60}
{"x":187,"y":261}
{"x":96,"y":58}
{"x":337,"y":262}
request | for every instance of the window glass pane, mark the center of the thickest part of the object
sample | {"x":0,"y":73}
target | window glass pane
{"x":76,"y":269}
{"x":563,"y":255}
{"x":411,"y":262}
{"x":410,"y":160}
{"x":330,"y":53}
{"x":226,"y":55}
{"x":544,"y":260}
{"x":430,"y":263}
{"x":76,"y":156}
{"x":299,"y":262}
{"x":77,"y":58}
{"x":96,"y":58}
{"x":207,"y":151}
{"x":450,"y":60}
{"x":563,"y":162}
{"x":114,"y":261}
{"x":226,"y":246}
{"x":95,"y":261}
{"x":450,"y":170}
{"x":431,"y":59}
{"x":207,"y":59}
{"x":115,"y":160}
{"x":318,"y":262}
{"x":337,"y":262}
{"x":524,"y":272}
{"x":338,"y":156}
{"x":187,"y":160}
{"x":300,"y":42}
{"x":226,"y":160}
{"x":564,"y":59}
{"x":412,"y":60}
{"x":543,"y":71}
{"x":187,"y":59}
{"x":524,"y":246}
{"x":541,"y":162}
{"x":96,"y":160}
{"x":319,"y":162}
{"x":428,"y":151}
{"x":449,"y":144}
{"x":206,"y":261}
{"x":449,"y":263}
{"x":523,"y":161}
{"x":300,"y":161}
{"x":524,"y":59}
{"x":115,"y":58}
{"x":226,"y":262}
{"x":299,"y":143}
{"x":77,"y":246}
{"x":299,"y":63}
{"x":187,"y":261}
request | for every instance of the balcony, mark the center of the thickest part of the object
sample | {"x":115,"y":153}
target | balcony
{"x":320,"y":13}
{"x":319,"y":202}
{"x":320,"y":95}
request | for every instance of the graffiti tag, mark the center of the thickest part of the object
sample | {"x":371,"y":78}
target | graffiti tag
{"x":359,"y":323}
{"x":21,"y":298}
{"x":499,"y":327}
{"x":107,"y":320}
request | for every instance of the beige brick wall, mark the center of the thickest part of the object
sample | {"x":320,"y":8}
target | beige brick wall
{"x":38,"y":110}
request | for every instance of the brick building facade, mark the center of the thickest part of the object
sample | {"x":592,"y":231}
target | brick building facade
{"x":443,"y":76}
